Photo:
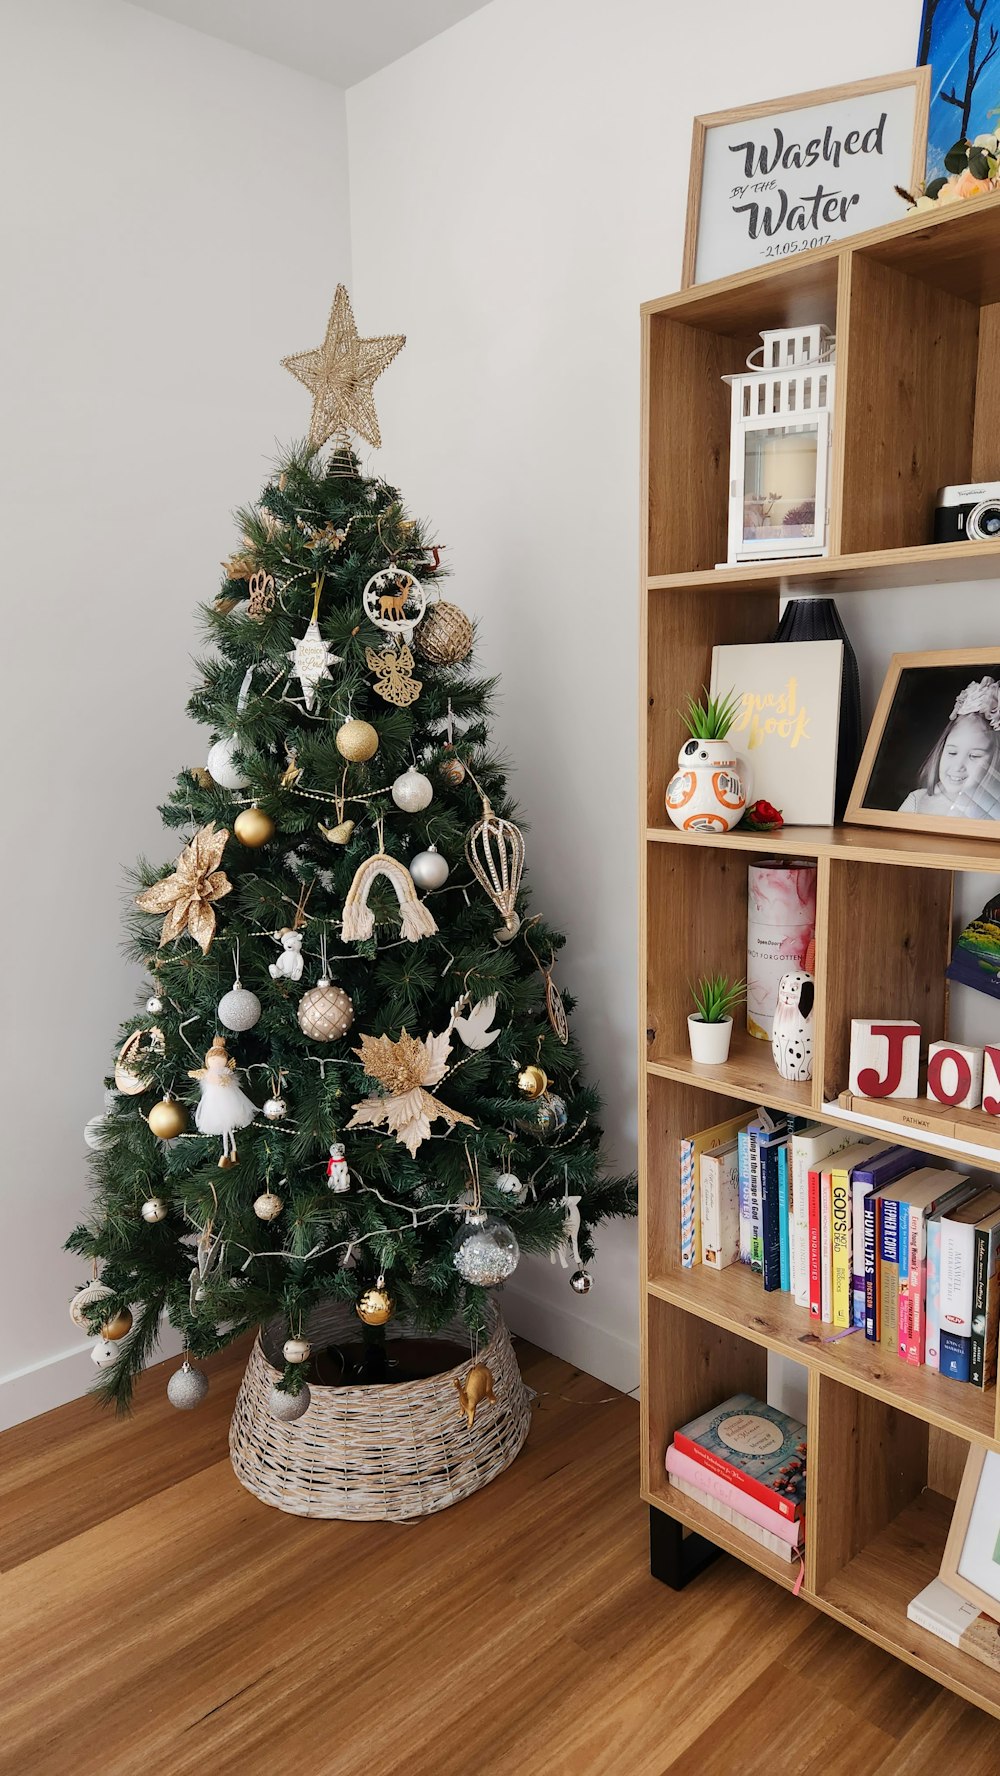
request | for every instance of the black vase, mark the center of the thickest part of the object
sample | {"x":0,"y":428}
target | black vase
{"x":818,"y":619}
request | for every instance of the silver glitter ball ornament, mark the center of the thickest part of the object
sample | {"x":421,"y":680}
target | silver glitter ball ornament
{"x":154,"y":1004}
{"x":275,"y":1109}
{"x":412,"y":791}
{"x":154,"y":1209}
{"x":103,"y":1353}
{"x":239,"y":1009}
{"x":485,"y":1250}
{"x":288,"y":1407}
{"x":187,"y":1387}
{"x":581,"y":1282}
{"x":429,"y":869}
{"x":222,"y":765}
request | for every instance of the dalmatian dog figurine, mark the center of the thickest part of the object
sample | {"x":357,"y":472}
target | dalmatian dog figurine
{"x":792,"y":1030}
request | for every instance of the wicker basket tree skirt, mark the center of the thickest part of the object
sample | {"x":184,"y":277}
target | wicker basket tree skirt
{"x":381,"y":1453}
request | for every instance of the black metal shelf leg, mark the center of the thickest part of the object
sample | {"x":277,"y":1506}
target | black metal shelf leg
{"x":675,"y":1558}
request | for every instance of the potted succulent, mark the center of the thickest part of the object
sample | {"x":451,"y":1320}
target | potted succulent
{"x":711,"y":786}
{"x":710,"y":1025}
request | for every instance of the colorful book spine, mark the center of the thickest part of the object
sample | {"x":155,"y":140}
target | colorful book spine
{"x":815,"y":1235}
{"x":720,"y":1226}
{"x":784,"y":1218}
{"x":956,"y":1356}
{"x":888,"y":1227}
{"x":985,"y":1307}
{"x":840,"y":1247}
{"x":681,"y":1467}
{"x":756,"y":1206}
{"x":746,"y":1224}
{"x":903,"y":1303}
{"x":932,"y":1297}
{"x":955,"y":1298}
{"x":748,"y":1483}
{"x":690,"y":1218}
{"x":770,"y":1199}
{"x":859,"y":1190}
{"x":764,"y":1538}
{"x":825,"y":1249}
{"x":800,"y":1227}
{"x":873,"y":1279}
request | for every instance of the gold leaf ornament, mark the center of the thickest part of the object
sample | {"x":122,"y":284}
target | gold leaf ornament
{"x":186,"y":896}
{"x":405,"y":1068}
{"x":340,"y":375}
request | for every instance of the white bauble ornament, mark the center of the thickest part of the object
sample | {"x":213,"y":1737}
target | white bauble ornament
{"x":296,"y":1350}
{"x":223,"y":768}
{"x":187,"y":1387}
{"x":288,"y":1407}
{"x":98,"y":1133}
{"x":429,"y":869}
{"x":84,"y":1298}
{"x":239,"y":1009}
{"x":268,"y":1206}
{"x":104,"y":1353}
{"x":154,"y":1004}
{"x":485,"y":1250}
{"x":274,"y":1110}
{"x":154,"y":1209}
{"x":412,"y":791}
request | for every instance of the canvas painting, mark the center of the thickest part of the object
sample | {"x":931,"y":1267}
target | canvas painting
{"x":960,"y":39}
{"x":788,"y":724}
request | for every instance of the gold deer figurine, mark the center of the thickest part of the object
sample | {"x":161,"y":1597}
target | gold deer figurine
{"x":478,"y":1387}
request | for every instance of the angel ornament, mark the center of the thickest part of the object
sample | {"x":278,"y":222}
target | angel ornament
{"x":223,"y":1107}
{"x":394,"y":680}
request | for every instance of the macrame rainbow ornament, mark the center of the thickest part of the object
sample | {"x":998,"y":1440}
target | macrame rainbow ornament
{"x":359,"y":920}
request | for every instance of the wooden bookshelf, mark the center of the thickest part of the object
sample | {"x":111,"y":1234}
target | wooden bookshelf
{"x":916,"y":309}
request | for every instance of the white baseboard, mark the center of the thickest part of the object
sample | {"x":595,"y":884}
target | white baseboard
{"x":575,"y":1338}
{"x":28,"y":1392}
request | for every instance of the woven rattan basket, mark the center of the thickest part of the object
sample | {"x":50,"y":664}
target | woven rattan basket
{"x":380,"y":1453}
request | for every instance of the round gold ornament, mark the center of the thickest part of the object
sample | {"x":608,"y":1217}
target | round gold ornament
{"x":254,"y":828}
{"x":167,"y":1119}
{"x":154,"y":1209}
{"x":296,"y":1350}
{"x":356,"y":741}
{"x":375,"y":1307}
{"x":83,"y":1299}
{"x":445,"y":636}
{"x":118,"y":1325}
{"x":532,"y":1081}
{"x":325,"y":1012}
{"x":268,"y":1206}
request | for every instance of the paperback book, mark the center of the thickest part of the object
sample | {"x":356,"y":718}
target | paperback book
{"x":758,"y":1448}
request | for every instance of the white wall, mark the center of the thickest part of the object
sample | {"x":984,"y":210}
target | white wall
{"x":174,"y":219}
{"x":517,"y":188}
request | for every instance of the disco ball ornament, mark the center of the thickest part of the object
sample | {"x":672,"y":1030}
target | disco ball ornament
{"x":268,"y":1206}
{"x":104,"y":1353}
{"x":222,"y":765}
{"x":355,"y":741}
{"x":412,"y":792}
{"x":547,"y":1117}
{"x":376,"y":1306}
{"x":581,"y":1282}
{"x":296,"y":1350}
{"x":288,"y":1407}
{"x":239,"y":1009}
{"x":154,"y":1004}
{"x":485,"y":1251}
{"x":274,"y":1110}
{"x":187,"y":1387}
{"x":325,"y":1012}
{"x":429,"y":869}
{"x":254,"y":828}
{"x":154,"y":1209}
{"x":167,"y":1119}
{"x":84,"y":1298}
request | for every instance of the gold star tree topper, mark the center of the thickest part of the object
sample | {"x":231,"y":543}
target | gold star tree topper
{"x":340,"y":375}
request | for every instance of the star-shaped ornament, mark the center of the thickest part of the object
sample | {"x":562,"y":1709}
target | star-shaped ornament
{"x":340,"y":375}
{"x":311,"y":656}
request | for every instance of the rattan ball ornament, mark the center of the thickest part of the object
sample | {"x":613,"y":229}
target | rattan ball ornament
{"x":356,"y":741}
{"x":325,"y":1012}
{"x":104,"y":1353}
{"x":412,"y":792}
{"x":274,"y":1109}
{"x":445,"y":635}
{"x":268,"y":1206}
{"x":187,"y":1387}
{"x":288,"y":1407}
{"x":119,"y":1326}
{"x":485,"y":1250}
{"x":239,"y":1009}
{"x":222,"y":765}
{"x":581,"y":1282}
{"x":376,"y":1306}
{"x":84,"y":1298}
{"x":532,"y":1081}
{"x":154,"y":1209}
{"x":167,"y":1119}
{"x":254,"y":828}
{"x":429,"y":869}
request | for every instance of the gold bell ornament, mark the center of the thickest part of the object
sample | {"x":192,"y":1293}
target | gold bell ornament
{"x":532,"y":1081}
{"x":167,"y":1119}
{"x":376,"y":1305}
{"x":253,"y":827}
{"x":296,"y":1350}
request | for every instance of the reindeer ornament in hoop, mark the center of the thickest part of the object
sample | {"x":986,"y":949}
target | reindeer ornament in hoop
{"x":394,"y":601}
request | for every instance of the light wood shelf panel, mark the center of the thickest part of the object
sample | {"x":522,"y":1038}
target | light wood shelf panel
{"x":868,"y":844}
{"x":749,"y":1075}
{"x":695,"y":1517}
{"x":872,"y":570}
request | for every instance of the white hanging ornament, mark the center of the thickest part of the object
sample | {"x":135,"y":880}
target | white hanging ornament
{"x":358,"y":920}
{"x":325,"y":1012}
{"x":510,"y":1185}
{"x":474,"y":1026}
{"x":394,"y":601}
{"x":485,"y":1250}
{"x":104,"y":1353}
{"x":239,"y":1009}
{"x":570,"y":1234}
{"x":289,"y":963}
{"x":311,"y":656}
{"x":268,"y":1206}
{"x":429,"y":869}
{"x":275,"y":1109}
{"x":154,"y":1209}
{"x":412,"y":792}
{"x":154,"y":1004}
{"x":222,"y":764}
{"x":223,"y":1107}
{"x":84,"y":1298}
{"x":288,"y":1407}
{"x":296,"y":1350}
{"x":338,"y":1172}
{"x":187,"y":1387}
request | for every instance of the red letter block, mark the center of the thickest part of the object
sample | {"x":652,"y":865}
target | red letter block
{"x":885,"y":1058}
{"x":991,"y":1082}
{"x":955,"y":1075}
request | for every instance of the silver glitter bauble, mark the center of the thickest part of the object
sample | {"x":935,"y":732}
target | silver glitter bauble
{"x":288,"y":1407}
{"x":485,"y":1250}
{"x":154,"y":1004}
{"x":429,"y":869}
{"x":325,"y":1012}
{"x":239,"y":1009}
{"x":274,"y":1109}
{"x":154,"y":1209}
{"x":84,"y":1298}
{"x":187,"y":1387}
{"x":412,"y":792}
{"x":222,"y":765}
{"x":103,"y":1353}
{"x":509,"y":1185}
{"x":581,"y":1281}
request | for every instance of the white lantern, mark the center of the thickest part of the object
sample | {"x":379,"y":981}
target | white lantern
{"x":780,"y":447}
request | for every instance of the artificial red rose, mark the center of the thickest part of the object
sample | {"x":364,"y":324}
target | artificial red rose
{"x":762,"y":817}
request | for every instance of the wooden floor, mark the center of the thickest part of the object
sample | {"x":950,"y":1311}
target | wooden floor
{"x":155,"y":1618}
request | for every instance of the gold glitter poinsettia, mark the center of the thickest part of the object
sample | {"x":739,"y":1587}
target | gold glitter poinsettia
{"x":186,"y":896}
{"x":404,"y":1068}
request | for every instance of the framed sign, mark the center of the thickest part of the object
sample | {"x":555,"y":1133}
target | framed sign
{"x":777,"y":178}
{"x":971,"y":1563}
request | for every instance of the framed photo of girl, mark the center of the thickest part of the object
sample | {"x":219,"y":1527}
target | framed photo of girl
{"x":932,"y":758}
{"x":971,"y":1562}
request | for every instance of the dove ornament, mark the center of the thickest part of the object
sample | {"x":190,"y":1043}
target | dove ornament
{"x":473,"y":1026}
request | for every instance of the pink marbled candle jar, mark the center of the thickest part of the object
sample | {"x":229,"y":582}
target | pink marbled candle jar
{"x":781,"y":933}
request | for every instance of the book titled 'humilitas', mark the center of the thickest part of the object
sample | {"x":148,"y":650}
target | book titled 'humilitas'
{"x":754,"y":1446}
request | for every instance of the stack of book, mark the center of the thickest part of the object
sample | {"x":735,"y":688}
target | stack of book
{"x":746,"y":1462}
{"x":941,"y":1611}
{"x":862,"y":1234}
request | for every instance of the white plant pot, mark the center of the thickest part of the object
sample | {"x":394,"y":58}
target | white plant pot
{"x":709,"y":1042}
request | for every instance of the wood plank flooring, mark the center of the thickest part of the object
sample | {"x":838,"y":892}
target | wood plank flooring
{"x":155,"y":1618}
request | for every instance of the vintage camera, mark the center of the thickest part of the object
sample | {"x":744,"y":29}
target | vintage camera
{"x":968,"y":513}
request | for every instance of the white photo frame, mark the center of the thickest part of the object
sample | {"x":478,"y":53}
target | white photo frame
{"x":971,"y":1563}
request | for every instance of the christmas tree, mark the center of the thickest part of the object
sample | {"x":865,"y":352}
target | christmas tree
{"x":352,"y":1075}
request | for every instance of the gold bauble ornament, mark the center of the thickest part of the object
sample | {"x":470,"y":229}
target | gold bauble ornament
{"x":167,"y":1119}
{"x":296,"y":1350}
{"x":532,"y":1081}
{"x":254,"y":828}
{"x":375,"y":1307}
{"x":325,"y":1012}
{"x":268,"y":1206}
{"x":118,"y":1325}
{"x":356,"y":741}
{"x":445,"y":635}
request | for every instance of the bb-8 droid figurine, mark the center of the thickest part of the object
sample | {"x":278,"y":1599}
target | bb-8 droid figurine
{"x":710,"y":789}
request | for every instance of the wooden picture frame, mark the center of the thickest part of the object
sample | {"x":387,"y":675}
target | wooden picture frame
{"x":904,"y":165}
{"x":974,"y":1537}
{"x":875,"y":799}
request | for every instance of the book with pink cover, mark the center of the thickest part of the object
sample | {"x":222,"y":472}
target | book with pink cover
{"x":682,"y":1467}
